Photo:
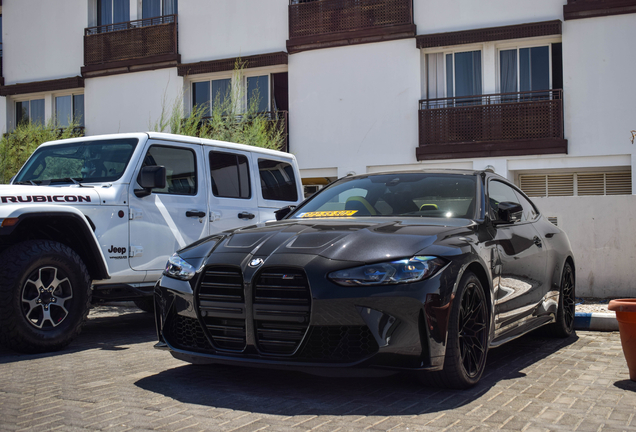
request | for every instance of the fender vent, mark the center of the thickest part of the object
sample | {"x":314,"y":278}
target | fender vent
{"x":282,"y":305}
{"x":221,"y":303}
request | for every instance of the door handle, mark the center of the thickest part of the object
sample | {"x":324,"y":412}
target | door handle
{"x":537,"y":241}
{"x":195,"y":213}
{"x":245,"y":215}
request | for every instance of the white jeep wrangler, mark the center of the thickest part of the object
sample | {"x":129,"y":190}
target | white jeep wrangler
{"x":96,"y":219}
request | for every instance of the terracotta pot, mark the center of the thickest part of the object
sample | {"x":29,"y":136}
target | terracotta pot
{"x":626,"y":315}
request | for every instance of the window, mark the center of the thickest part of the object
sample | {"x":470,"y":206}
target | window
{"x":29,"y":111}
{"x":68,"y":109}
{"x":156,"y":8}
{"x":576,"y":184}
{"x":278,"y":181}
{"x":230,"y":175}
{"x":208,"y":94}
{"x":499,"y":192}
{"x":181,"y":174}
{"x":453,"y":74}
{"x":112,"y":12}
{"x":524,"y":69}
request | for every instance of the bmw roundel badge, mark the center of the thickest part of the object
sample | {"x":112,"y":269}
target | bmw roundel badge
{"x":256,"y":262}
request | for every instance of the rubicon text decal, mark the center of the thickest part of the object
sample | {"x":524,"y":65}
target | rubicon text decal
{"x":45,"y":198}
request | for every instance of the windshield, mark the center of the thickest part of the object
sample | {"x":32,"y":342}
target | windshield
{"x":87,"y":161}
{"x":399,"y":194}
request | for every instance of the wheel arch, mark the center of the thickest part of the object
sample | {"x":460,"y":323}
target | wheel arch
{"x":478,"y":270}
{"x":70,"y":229}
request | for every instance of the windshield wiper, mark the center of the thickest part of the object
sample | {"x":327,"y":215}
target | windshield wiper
{"x":26,"y":182}
{"x":75,"y":180}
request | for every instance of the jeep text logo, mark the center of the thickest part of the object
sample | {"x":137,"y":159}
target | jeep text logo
{"x":119,"y":250}
{"x":45,"y":198}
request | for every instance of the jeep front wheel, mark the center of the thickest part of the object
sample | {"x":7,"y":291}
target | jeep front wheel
{"x":44,"y":296}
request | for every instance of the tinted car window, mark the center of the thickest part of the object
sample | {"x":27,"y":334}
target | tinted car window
{"x":499,"y":192}
{"x":529,"y":211}
{"x":230,"y":175}
{"x":278,"y":181}
{"x":180,"y":163}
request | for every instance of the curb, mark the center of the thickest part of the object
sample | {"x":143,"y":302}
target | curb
{"x":595,"y":321}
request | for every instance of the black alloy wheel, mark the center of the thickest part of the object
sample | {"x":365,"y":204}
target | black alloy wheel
{"x":564,"y":324}
{"x":467,"y":339}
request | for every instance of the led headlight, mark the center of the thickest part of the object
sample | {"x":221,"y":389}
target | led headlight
{"x":394,"y":272}
{"x":178,"y":268}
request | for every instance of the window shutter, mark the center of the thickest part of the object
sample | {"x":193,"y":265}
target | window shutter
{"x":591,"y":184}
{"x":533,"y":185}
{"x":618,"y":183}
{"x":560,"y":185}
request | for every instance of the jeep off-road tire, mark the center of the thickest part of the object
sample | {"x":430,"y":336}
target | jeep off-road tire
{"x":45,"y":295}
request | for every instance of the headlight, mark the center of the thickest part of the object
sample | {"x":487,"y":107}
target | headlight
{"x":178,"y":268}
{"x":395,"y":272}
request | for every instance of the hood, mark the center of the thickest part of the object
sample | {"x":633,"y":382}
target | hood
{"x":24,"y":195}
{"x":360,"y":240}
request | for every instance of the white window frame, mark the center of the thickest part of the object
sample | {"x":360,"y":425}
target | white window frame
{"x":71,"y":94}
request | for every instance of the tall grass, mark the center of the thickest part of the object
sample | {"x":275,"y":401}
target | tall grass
{"x":229,"y":118}
{"x":17,"y":145}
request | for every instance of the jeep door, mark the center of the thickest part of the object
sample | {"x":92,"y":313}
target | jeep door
{"x":231,"y":193}
{"x":172,"y":217}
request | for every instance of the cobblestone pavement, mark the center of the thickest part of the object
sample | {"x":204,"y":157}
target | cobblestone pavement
{"x":112,"y":379}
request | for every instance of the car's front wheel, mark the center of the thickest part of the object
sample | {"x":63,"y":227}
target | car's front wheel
{"x":44,"y":296}
{"x":467,"y":339}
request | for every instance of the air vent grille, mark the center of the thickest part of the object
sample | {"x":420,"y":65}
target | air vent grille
{"x":576,"y":184}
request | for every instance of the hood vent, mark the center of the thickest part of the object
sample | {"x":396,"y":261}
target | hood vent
{"x":282,"y":305}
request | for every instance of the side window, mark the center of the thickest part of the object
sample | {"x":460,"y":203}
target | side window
{"x":180,"y":163}
{"x":530,"y":213}
{"x":230,"y":176}
{"x":277,"y":180}
{"x":499,"y":192}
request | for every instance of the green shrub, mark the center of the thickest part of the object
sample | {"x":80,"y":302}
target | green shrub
{"x":17,"y":145}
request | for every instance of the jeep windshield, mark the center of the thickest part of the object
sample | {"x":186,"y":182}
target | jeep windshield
{"x":82,"y":161}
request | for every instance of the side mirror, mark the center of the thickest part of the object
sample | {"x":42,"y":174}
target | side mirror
{"x":283,"y":212}
{"x":150,"y":177}
{"x":508,"y":212}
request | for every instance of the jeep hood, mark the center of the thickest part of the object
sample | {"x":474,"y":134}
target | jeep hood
{"x":25,"y":195}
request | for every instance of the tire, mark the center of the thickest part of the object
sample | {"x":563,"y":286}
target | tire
{"x":44,"y":296}
{"x":467,"y":339}
{"x":564,"y":325}
{"x":146,"y":304}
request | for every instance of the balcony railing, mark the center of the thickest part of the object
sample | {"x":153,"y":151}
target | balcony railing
{"x":506,"y":124}
{"x":576,"y":9}
{"x":133,"y":40}
{"x":331,"y":21}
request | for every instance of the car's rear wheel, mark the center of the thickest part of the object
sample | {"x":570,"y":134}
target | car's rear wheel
{"x":467,"y":339}
{"x":564,"y":324}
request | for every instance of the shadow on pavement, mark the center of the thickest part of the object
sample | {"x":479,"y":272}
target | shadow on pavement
{"x":112,"y":331}
{"x":292,"y":393}
{"x":628,"y":385}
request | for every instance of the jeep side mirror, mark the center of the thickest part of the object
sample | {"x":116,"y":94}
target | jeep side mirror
{"x":282,"y":212}
{"x":508,"y":212}
{"x":150,"y":177}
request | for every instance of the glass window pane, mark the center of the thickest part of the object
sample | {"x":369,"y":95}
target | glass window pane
{"x":540,"y":67}
{"x":508,"y":70}
{"x":277,"y":180}
{"x":150,"y":8}
{"x":181,"y":175}
{"x":230,"y":175}
{"x":258,"y":90}
{"x":121,"y":11}
{"x":468,"y":73}
{"x":21,"y":112}
{"x":78,"y":109}
{"x":63,"y":114}
{"x":104,"y":12}
{"x":201,"y":96}
{"x":37,"y":111}
{"x":170,"y":7}
{"x":221,"y":92}
{"x":449,"y":76}
{"x":524,"y":69}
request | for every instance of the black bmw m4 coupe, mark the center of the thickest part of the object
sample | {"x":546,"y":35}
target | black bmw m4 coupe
{"x":403,"y":271}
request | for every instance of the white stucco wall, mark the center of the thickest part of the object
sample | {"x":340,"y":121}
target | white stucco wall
{"x":129,"y":102}
{"x":434,"y":16}
{"x":602,"y":232}
{"x":355,"y":106}
{"x":599,"y":87}
{"x":42,"y":40}
{"x":218,"y":29}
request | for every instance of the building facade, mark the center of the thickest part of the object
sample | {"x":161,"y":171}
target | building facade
{"x":540,"y":91}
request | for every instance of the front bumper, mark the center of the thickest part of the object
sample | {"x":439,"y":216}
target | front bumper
{"x":288,"y":314}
